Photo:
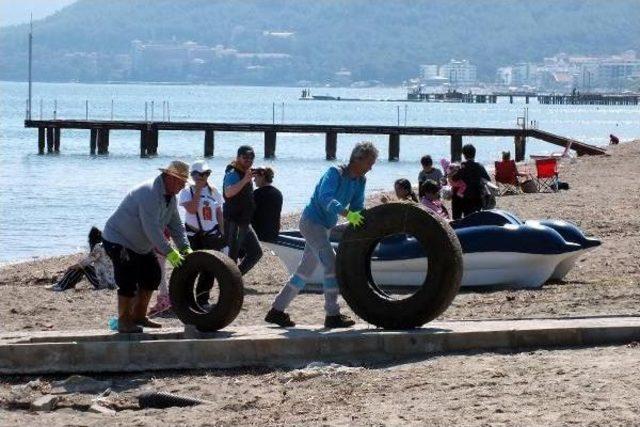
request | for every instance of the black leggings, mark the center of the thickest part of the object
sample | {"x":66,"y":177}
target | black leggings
{"x":464,"y":206}
{"x":132,"y":270}
{"x":242,"y":238}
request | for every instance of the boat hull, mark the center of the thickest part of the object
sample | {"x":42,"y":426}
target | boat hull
{"x":498,"y":249}
{"x":515,"y":269}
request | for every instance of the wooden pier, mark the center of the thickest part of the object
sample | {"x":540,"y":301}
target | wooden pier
{"x":49,"y":134}
{"x":574,"y":98}
{"x":589,"y":99}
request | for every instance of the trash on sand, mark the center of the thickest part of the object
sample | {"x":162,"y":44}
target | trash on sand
{"x":316,"y":369}
{"x":79,"y":384}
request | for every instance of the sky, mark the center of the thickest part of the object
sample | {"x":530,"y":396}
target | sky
{"x":14,"y":12}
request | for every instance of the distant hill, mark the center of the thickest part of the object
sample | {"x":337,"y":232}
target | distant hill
{"x":91,"y":40}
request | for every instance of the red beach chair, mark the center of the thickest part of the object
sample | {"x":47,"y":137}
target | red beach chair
{"x":507,"y":177}
{"x":547,"y":174}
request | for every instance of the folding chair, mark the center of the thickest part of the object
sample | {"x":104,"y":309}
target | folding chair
{"x":507,"y":177}
{"x":547,"y":174}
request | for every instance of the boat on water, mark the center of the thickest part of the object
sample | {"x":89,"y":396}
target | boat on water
{"x":498,"y":249}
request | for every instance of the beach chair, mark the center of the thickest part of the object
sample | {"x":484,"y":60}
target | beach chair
{"x":507,"y":177}
{"x":547,"y":174}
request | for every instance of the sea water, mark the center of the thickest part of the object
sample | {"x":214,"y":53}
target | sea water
{"x":49,"y":202}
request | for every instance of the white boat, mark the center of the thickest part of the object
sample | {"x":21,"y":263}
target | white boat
{"x":498,"y":249}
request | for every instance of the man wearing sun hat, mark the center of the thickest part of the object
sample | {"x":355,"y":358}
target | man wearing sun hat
{"x":132,"y":233}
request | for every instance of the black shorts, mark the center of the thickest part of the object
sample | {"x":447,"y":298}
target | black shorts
{"x":133,"y":271}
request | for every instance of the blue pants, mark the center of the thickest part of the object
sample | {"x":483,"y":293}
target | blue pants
{"x":317,"y":249}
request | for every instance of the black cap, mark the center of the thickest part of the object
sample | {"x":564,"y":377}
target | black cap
{"x":245,"y":150}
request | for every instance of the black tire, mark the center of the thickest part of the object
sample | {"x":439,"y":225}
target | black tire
{"x":442,"y":282}
{"x":231,"y":292}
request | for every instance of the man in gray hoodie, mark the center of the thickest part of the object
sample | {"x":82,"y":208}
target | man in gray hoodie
{"x":131,"y":235}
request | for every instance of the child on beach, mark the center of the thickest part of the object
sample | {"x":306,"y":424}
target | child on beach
{"x":96,"y":267}
{"x":403,"y":190}
{"x":163,"y":302}
{"x":429,"y":171}
{"x":430,"y":191}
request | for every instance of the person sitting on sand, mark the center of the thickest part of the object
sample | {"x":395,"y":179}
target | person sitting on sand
{"x":96,"y":267}
{"x":404,"y":191}
{"x":506,"y":157}
{"x":130,"y":236}
{"x":430,"y":199}
{"x":429,"y":171}
{"x":340,"y":191}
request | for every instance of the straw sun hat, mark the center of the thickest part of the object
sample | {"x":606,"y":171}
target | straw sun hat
{"x":177,"y":169}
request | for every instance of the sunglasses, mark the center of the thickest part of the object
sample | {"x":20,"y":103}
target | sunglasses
{"x":196,"y":174}
{"x":248,"y":156}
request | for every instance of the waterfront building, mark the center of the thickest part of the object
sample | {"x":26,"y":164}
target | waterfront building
{"x":459,"y":73}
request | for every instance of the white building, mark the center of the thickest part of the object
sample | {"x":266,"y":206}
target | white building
{"x":614,"y":73}
{"x":429,"y":71}
{"x":459,"y":73}
{"x":503,"y":76}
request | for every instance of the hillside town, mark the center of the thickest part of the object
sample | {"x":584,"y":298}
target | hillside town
{"x":275,"y":57}
{"x":559,"y":73}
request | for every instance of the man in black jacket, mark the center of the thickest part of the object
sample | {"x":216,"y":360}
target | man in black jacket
{"x":268,"y":200}
{"x":238,"y":209}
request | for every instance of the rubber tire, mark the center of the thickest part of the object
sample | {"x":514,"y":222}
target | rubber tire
{"x":441,"y":285}
{"x":229,"y":280}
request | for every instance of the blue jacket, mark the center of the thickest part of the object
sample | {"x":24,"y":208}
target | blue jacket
{"x":335,"y":192}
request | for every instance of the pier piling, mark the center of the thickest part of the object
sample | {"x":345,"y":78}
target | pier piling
{"x":49,"y":140}
{"x":269,"y":144}
{"x":41,"y":136}
{"x":152,"y":142}
{"x":520,"y":142}
{"x":209,"y":143}
{"x":56,"y":140}
{"x":394,"y":147}
{"x":103,"y":141}
{"x":330,"y":145}
{"x":456,"y":148}
{"x":93,"y":141}
{"x":144,"y":138}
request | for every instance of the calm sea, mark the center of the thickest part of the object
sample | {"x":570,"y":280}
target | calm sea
{"x":49,"y":202}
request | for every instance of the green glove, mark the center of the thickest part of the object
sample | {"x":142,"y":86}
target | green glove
{"x":174,"y":258}
{"x":355,"y":218}
{"x":186,"y":250}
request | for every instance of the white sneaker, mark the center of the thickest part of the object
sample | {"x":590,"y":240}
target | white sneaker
{"x":55,"y":288}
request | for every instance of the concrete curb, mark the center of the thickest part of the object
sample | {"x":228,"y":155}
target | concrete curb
{"x":101,"y":351}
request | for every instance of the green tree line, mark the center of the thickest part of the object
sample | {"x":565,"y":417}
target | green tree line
{"x":381,"y":40}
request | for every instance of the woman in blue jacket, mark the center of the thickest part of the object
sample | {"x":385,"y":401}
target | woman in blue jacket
{"x":340,"y":191}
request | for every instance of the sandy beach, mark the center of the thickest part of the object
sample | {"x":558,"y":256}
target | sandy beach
{"x":593,"y":386}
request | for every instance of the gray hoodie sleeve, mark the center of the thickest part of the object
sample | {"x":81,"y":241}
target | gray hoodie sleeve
{"x":149,"y":210}
{"x":176,"y":229}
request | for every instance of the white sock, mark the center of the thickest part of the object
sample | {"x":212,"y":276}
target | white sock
{"x":331,"y":306}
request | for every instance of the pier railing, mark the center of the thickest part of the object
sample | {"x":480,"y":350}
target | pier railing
{"x":49,"y":135}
